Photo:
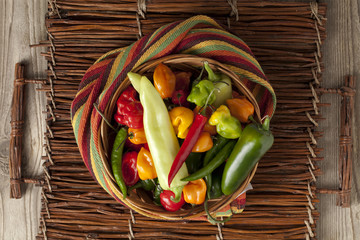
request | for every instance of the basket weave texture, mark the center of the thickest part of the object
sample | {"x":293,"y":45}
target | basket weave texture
{"x":103,"y":82}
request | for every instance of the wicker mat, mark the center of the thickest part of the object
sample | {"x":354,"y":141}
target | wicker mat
{"x":286,"y":39}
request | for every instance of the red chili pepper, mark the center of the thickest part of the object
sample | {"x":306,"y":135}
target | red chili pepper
{"x":128,"y":168}
{"x":168,"y":204}
{"x":129,"y":109}
{"x":179,"y":98}
{"x":188,"y":144}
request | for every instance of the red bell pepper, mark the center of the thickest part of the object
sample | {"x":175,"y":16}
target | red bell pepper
{"x":129,"y":109}
{"x":128,"y":168}
{"x":166,"y":201}
{"x":188,"y":144}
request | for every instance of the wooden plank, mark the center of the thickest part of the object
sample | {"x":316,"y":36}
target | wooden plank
{"x":341,"y":57}
{"x":22,"y":24}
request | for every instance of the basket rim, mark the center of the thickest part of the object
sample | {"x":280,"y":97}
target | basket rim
{"x":137,"y":204}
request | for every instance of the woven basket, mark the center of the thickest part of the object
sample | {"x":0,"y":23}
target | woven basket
{"x":139,"y":200}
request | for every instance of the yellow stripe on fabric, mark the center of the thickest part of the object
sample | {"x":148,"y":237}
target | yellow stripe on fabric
{"x":252,"y":76}
{"x":113,"y":71}
{"x":85,"y":87}
{"x":95,"y":167}
{"x":220,"y":32}
{"x":160,"y":42}
{"x":114,"y":188}
{"x":108,"y":54}
{"x":154,"y":34}
{"x":76,"y":119}
{"x":220,"y":45}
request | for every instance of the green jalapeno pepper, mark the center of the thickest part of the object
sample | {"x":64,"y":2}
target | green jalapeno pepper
{"x":219,"y":143}
{"x":193,"y":162}
{"x":215,"y":189}
{"x":254,"y":142}
{"x":116,"y":159}
{"x":220,"y":157}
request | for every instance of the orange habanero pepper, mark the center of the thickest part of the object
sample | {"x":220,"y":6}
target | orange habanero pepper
{"x":137,"y":135}
{"x":240,"y":108}
{"x":164,"y":80}
{"x":195,"y":191}
{"x":207,"y":128}
{"x":204,"y":143}
{"x":145,"y":165}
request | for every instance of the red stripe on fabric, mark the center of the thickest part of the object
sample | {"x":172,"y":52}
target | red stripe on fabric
{"x":230,"y":58}
{"x":162,"y":33}
{"x":195,"y":38}
{"x":83,"y":129}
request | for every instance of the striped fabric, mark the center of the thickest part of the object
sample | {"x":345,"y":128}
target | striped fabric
{"x":199,"y":35}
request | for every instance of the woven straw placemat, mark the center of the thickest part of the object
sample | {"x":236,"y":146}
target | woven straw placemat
{"x":285,"y":37}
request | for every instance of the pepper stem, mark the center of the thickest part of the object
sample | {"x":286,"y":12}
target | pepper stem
{"x":266,"y":123}
{"x":211,"y":218}
{"x":102,"y":115}
{"x":211,"y":75}
{"x":203,"y":111}
{"x":197,"y":80}
{"x":177,"y":191}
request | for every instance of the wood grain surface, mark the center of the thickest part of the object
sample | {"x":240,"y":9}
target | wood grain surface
{"x":22,"y":24}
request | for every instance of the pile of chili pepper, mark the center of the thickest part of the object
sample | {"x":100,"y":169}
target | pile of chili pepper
{"x":185,"y":140}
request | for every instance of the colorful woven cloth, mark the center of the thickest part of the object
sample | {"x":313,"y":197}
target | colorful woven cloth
{"x":199,"y":35}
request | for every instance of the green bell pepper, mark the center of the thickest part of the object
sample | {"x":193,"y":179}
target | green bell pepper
{"x":202,"y":93}
{"x":160,"y":134}
{"x":227,"y":126}
{"x":254,"y":142}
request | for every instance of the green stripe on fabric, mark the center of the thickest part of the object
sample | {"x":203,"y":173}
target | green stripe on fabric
{"x":98,"y":164}
{"x":155,"y":34}
{"x":174,"y":33}
{"x":219,"y":47}
{"x":217,"y":31}
{"x":119,"y":68}
{"x":77,"y":121}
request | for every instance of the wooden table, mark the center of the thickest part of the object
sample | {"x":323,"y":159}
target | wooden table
{"x":22,"y":24}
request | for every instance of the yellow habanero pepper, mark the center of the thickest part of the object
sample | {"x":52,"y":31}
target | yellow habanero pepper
{"x":137,"y":135}
{"x":240,"y":108}
{"x":181,"y":119}
{"x":195,"y":191}
{"x":204,"y":143}
{"x":145,"y":165}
